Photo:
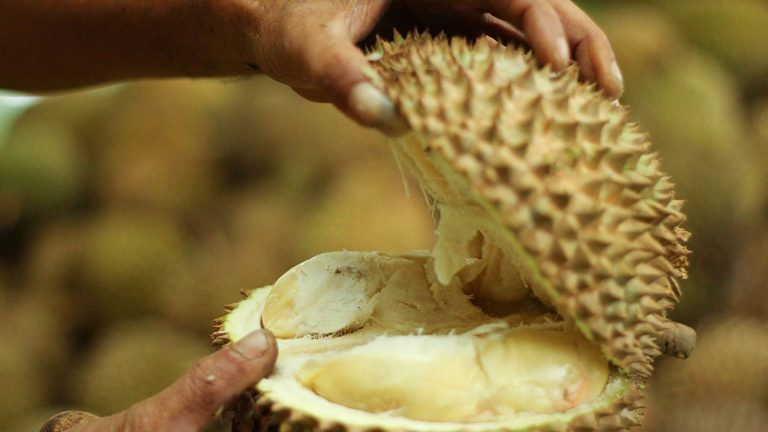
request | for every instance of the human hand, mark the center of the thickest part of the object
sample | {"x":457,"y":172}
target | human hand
{"x":310,"y":45}
{"x":191,"y":403}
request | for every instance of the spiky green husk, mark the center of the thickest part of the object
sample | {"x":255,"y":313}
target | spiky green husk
{"x":593,"y":220}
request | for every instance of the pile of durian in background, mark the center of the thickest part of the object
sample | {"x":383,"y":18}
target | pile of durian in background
{"x":128,"y":216}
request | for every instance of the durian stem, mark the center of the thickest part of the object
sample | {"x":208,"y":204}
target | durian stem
{"x":678,"y":340}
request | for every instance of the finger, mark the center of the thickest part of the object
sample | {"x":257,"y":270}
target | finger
{"x":501,"y":30}
{"x":541,"y":25}
{"x":192,"y":402}
{"x":336,"y":66}
{"x":593,"y":51}
{"x":312,"y":94}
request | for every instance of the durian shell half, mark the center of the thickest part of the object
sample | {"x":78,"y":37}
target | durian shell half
{"x":569,"y":187}
{"x":618,"y":408}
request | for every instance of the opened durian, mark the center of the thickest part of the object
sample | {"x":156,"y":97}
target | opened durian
{"x":544,"y":300}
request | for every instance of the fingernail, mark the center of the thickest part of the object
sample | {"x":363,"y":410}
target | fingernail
{"x":563,"y":52}
{"x":616,"y":72}
{"x":253,"y":345}
{"x":374,"y":109}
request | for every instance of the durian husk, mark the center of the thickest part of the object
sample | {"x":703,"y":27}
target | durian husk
{"x":555,"y":175}
{"x":568,"y":183}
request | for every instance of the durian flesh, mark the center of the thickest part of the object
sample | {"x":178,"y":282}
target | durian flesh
{"x":371,"y":339}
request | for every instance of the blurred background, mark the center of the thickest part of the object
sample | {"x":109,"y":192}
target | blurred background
{"x":129,"y":216}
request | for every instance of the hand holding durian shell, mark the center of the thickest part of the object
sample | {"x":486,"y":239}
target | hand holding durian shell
{"x":307,"y":44}
{"x":192,"y":402}
{"x":310,"y":45}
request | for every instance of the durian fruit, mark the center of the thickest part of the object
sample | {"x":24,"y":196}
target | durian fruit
{"x":41,"y":171}
{"x":747,"y":291}
{"x":346,"y":216}
{"x":125,"y":260}
{"x":251,"y":248}
{"x":731,"y":31}
{"x":710,"y":416}
{"x":23,"y":386}
{"x":130,"y":362}
{"x":722,"y":387}
{"x":32,"y":328}
{"x":48,"y":270}
{"x":268,"y":131}
{"x":194,"y":298}
{"x":644,"y":39}
{"x":543,"y":303}
{"x":759,"y":132}
{"x":51,"y":251}
{"x":261,"y":230}
{"x":155,"y":150}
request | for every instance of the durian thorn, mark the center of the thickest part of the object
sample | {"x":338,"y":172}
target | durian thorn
{"x":397,"y":37}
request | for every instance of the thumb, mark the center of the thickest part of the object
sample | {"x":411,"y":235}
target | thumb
{"x":193,"y":401}
{"x":337,"y":67}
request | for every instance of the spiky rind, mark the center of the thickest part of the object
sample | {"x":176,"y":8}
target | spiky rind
{"x":564,"y":171}
{"x":258,"y":410}
{"x":254,"y":412}
{"x":220,"y":336}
